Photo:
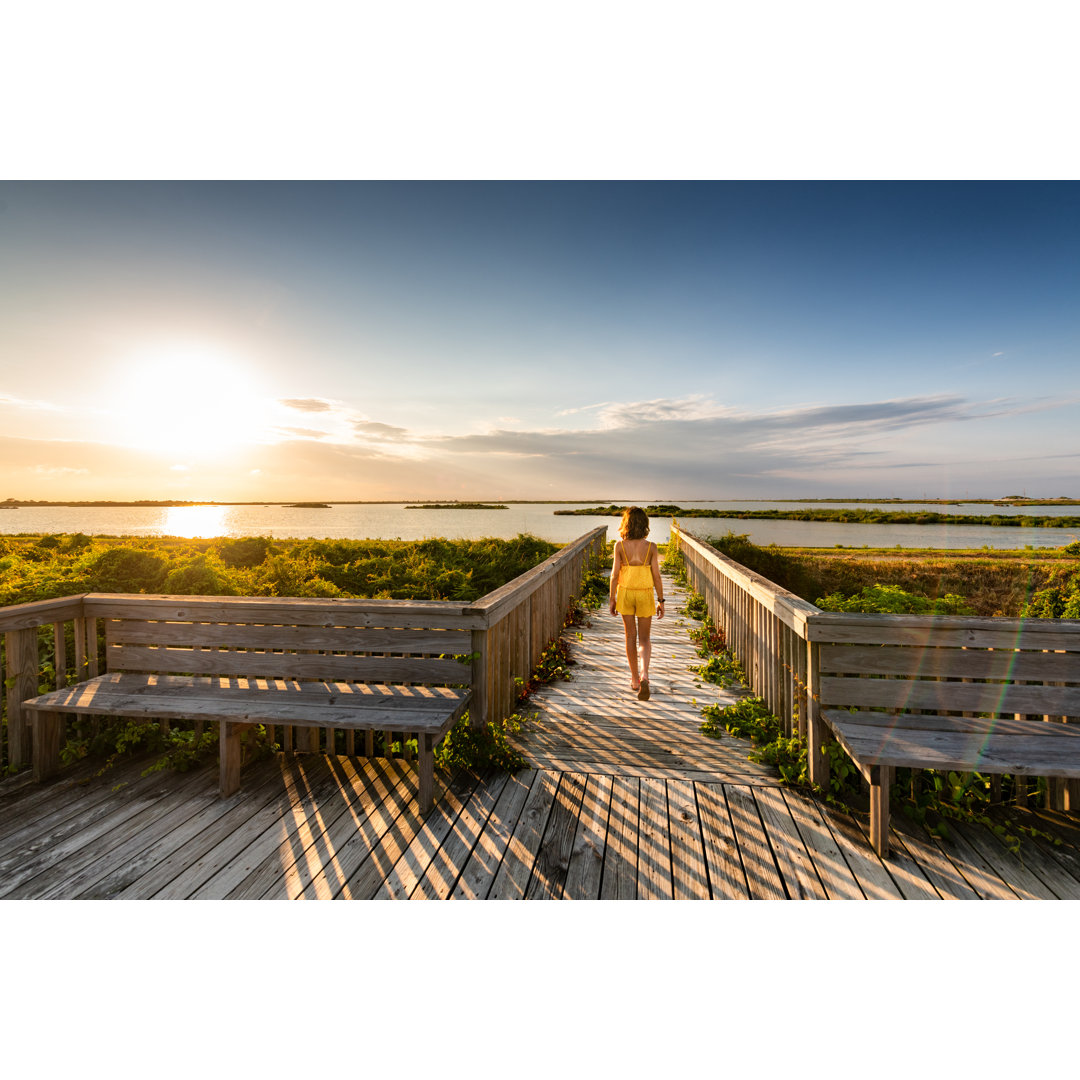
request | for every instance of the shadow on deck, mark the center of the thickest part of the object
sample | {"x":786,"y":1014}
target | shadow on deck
{"x":622,"y":800}
{"x":320,"y":827}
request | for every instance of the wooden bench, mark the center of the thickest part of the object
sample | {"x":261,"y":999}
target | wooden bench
{"x":295,"y":663}
{"x":962,"y":694}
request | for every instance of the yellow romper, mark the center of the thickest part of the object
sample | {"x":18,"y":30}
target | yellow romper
{"x":634,"y":591}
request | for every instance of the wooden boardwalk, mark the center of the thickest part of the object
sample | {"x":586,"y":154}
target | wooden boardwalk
{"x":622,"y":800}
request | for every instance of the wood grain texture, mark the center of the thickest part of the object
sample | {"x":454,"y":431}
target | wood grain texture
{"x":927,"y":695}
{"x":928,"y":663}
{"x":553,"y":856}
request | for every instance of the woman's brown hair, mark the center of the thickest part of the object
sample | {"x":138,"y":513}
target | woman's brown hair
{"x":635,"y":524}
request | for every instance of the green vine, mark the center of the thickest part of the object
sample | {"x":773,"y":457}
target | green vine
{"x":484,"y":747}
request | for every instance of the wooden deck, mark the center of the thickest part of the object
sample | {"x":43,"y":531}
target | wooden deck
{"x":623,"y":800}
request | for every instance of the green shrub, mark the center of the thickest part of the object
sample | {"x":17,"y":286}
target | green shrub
{"x":891,"y":599}
{"x":246,"y":551}
{"x":486,"y":747}
{"x":1059,"y":600}
{"x":127,"y":570}
{"x":200,"y":575}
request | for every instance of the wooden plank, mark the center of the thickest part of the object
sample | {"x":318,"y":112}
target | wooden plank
{"x":928,"y":695}
{"x":831,"y":866}
{"x":928,"y":663}
{"x":369,"y":867}
{"x":37,"y":613}
{"x":759,"y":863}
{"x":999,"y":860}
{"x":18,"y":792}
{"x":343,"y":639}
{"x":212,"y":827}
{"x":1044,"y":756}
{"x":248,"y":829}
{"x":1053,"y":871}
{"x":1065,"y":855}
{"x":931,"y":631}
{"x":31,"y":810}
{"x":515,"y":870}
{"x":552,"y":860}
{"x":92,"y":657}
{"x":143,"y":658}
{"x":21,"y":674}
{"x":620,"y":877}
{"x":479,"y":871}
{"x":415,"y":860}
{"x":320,"y":706}
{"x":440,"y":878}
{"x":899,"y":878}
{"x":727,"y":879}
{"x":912,"y":841}
{"x":60,"y":653}
{"x":270,"y":610}
{"x":800,"y":879}
{"x":68,"y":844}
{"x":689,"y":874}
{"x":70,"y":877}
{"x":317,"y":852}
{"x":80,"y":649}
{"x":1017,"y":725}
{"x":480,"y":708}
{"x":47,"y":729}
{"x":585,"y":871}
{"x":978,"y":872}
{"x":654,"y":846}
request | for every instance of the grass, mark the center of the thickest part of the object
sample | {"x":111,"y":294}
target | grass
{"x":997,"y":583}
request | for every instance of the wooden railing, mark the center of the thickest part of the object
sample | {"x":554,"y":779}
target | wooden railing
{"x":765,"y":626}
{"x":520,"y":620}
{"x":793,"y":652}
{"x":50,"y":644}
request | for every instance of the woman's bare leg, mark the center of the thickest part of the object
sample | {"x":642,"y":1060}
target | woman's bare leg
{"x":644,"y":634}
{"x":630,"y":629}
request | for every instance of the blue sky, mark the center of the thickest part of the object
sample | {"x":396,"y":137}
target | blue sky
{"x":551,"y":340}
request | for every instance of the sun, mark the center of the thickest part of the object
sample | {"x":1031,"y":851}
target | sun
{"x":191,"y":401}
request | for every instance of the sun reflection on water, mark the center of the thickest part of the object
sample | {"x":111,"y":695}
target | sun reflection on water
{"x":195,"y":521}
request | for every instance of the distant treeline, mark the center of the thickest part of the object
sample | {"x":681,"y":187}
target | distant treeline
{"x":459,"y":506}
{"x":845,"y":516}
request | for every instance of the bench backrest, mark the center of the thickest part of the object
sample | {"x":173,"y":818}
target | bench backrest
{"x":999,"y":667}
{"x":286,"y":640}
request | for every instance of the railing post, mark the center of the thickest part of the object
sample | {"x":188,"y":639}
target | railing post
{"x":479,"y":705}
{"x":21,"y":673}
{"x":818,"y":762}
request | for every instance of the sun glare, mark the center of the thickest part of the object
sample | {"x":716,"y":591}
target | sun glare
{"x":187,"y":401}
{"x":192,"y":521}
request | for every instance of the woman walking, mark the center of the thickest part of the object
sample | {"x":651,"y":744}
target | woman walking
{"x":635,"y":575}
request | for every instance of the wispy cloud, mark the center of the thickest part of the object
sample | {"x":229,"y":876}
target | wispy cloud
{"x":302,"y":432}
{"x":22,"y":403}
{"x":373,"y":430}
{"x":307,"y":404}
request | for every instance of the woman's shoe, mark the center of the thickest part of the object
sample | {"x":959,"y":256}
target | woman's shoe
{"x":643,"y":692}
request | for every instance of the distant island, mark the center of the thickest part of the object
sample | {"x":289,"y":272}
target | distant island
{"x":310,"y":506}
{"x":461,"y":506}
{"x":1005,"y":500}
{"x":843,"y":517}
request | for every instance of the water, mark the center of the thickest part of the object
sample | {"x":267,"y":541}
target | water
{"x":393,"y":521}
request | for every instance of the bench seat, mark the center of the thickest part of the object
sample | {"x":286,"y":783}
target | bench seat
{"x":429,"y":711}
{"x":950,"y":693}
{"x":979,"y":744}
